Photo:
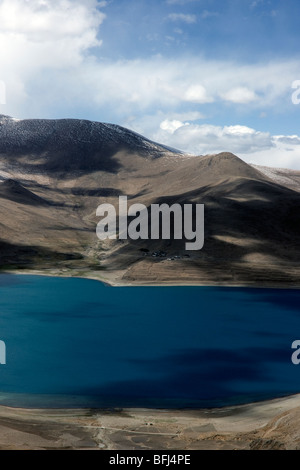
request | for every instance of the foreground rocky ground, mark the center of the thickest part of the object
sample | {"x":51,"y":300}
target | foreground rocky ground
{"x":272,"y":425}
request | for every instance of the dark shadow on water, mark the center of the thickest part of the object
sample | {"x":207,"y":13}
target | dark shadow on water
{"x":282,"y":300}
{"x":288,"y":299}
{"x":200,"y":378}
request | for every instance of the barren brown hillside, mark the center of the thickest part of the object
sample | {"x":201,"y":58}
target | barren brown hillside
{"x":55,"y":173}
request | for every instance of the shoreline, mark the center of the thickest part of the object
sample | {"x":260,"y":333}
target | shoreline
{"x":115,"y":282}
{"x":162,"y":409}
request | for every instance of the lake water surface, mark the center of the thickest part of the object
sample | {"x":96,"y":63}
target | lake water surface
{"x":78,"y":342}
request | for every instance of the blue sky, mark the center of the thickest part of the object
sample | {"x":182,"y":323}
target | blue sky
{"x":200,"y":75}
{"x":245,"y":30}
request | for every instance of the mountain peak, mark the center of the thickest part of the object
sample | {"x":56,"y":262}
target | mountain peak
{"x":72,"y":145}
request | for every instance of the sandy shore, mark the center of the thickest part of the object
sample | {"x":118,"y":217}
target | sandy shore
{"x":267,"y":425}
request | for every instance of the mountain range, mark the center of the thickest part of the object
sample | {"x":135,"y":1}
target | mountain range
{"x":55,"y":173}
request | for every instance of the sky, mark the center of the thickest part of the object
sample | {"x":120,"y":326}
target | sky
{"x":203,"y":76}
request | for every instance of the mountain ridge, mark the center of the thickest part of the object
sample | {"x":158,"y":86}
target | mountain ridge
{"x":47,"y":143}
{"x":55,"y":173}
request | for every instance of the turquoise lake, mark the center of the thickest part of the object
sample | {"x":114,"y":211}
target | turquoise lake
{"x":77,"y":342}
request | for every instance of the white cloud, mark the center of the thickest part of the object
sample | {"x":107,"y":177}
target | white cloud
{"x":287,"y":139}
{"x":240,"y":95}
{"x":171,"y":126}
{"x":45,"y":20}
{"x":197,"y":94}
{"x":186,"y":18}
{"x":43,"y":36}
{"x":240,"y":130}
